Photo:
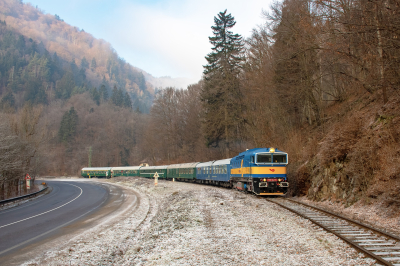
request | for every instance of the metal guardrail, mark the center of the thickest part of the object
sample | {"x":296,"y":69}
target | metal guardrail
{"x":2,"y":202}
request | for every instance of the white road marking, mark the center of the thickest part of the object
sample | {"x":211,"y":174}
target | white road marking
{"x":46,"y":211}
{"x":58,"y":227}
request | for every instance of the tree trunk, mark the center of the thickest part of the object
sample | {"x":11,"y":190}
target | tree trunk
{"x":226,"y":133}
{"x":380,"y":52}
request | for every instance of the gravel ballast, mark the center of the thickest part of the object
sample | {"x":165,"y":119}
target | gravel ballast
{"x":188,"y":224}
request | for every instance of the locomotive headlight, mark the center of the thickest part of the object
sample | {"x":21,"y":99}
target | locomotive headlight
{"x":271,"y":150}
{"x":279,"y":180}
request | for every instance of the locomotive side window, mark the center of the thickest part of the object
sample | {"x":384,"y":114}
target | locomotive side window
{"x":264,"y":158}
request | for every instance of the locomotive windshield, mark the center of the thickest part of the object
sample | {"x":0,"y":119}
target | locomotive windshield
{"x":279,"y":158}
{"x":264,"y":158}
{"x":271,"y":158}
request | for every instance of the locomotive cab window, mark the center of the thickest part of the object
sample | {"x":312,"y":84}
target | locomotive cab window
{"x":279,"y":158}
{"x":264,"y":158}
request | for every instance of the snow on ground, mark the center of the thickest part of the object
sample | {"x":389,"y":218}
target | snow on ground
{"x":188,"y":224}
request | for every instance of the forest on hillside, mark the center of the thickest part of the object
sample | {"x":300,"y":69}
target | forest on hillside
{"x":319,"y":80}
{"x":96,"y":58}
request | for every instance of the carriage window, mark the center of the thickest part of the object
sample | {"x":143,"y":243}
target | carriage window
{"x":264,"y":158}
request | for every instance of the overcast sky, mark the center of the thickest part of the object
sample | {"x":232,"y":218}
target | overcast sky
{"x":162,"y":37}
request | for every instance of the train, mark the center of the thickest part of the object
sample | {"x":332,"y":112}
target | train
{"x":261,"y":171}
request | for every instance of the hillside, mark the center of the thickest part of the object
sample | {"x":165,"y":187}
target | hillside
{"x":355,"y":158}
{"x":100,"y":61}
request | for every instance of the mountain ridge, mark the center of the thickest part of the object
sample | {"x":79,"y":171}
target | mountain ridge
{"x":71,"y":43}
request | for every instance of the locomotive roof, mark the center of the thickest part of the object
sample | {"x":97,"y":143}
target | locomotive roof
{"x":257,"y":150}
{"x":183,"y":165}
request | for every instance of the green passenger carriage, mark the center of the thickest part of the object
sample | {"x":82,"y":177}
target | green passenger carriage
{"x":150,"y":171}
{"x":102,"y":172}
{"x":182,"y":171}
{"x":125,"y":171}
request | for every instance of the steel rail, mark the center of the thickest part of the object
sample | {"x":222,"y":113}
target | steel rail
{"x":389,"y":235}
{"x":351,"y":243}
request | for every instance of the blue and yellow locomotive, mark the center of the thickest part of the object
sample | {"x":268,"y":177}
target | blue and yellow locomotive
{"x":261,"y":171}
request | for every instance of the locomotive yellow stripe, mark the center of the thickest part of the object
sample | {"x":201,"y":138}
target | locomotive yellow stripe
{"x":268,"y":170}
{"x":259,"y":171}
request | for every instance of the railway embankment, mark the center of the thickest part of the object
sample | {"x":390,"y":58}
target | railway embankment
{"x":351,"y":163}
{"x":189,"y":224}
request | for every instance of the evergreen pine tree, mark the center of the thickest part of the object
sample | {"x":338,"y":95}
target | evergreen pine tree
{"x":120,"y":98}
{"x":94,"y":64}
{"x":65,"y":86}
{"x":117,"y":97}
{"x":103,"y":93}
{"x":21,"y":44}
{"x":68,"y":126}
{"x":84,"y":63}
{"x":95,"y":95}
{"x":127,"y":101}
{"x":114,"y":96}
{"x":221,"y":96}
{"x":35,"y":93}
{"x":8,"y":101}
{"x":141,"y":82}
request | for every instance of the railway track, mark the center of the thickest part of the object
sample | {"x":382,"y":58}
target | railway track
{"x":376,"y":244}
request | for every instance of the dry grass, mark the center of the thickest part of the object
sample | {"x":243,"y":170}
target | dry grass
{"x":355,"y":157}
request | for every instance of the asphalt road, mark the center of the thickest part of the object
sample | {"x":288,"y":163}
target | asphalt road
{"x":58,"y":213}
